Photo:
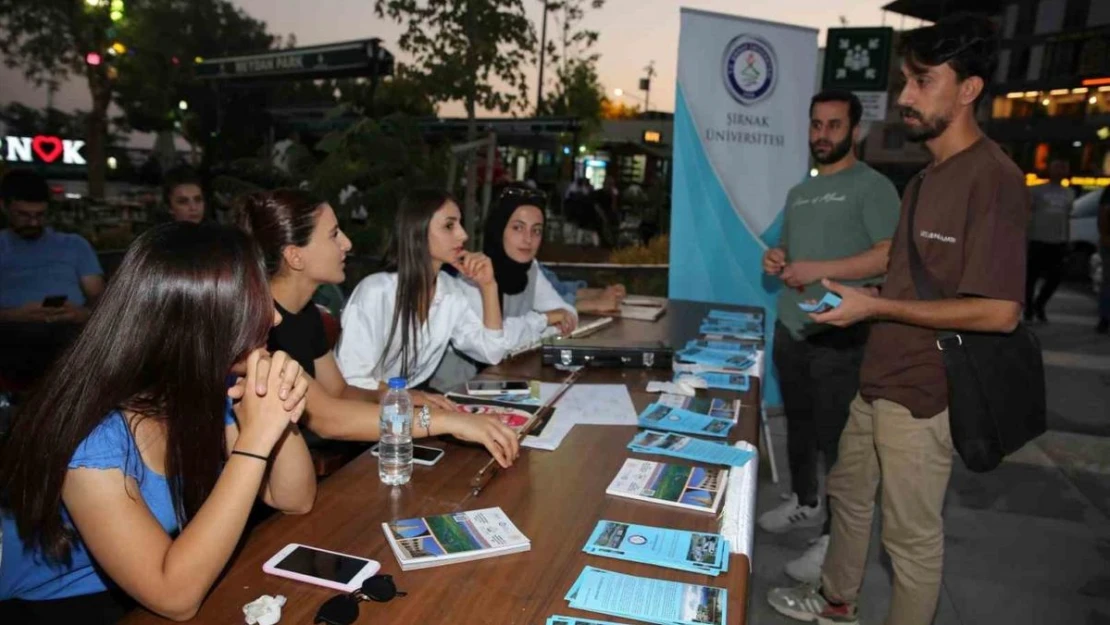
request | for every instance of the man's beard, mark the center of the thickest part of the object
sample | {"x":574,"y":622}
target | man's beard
{"x":928,"y":130}
{"x":29,"y":233}
{"x":835,"y":154}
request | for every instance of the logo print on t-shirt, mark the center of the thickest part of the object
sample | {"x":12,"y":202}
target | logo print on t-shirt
{"x":936,"y":236}
{"x":821,"y":199}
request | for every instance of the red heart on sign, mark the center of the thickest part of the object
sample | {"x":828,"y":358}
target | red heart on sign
{"x":48,"y":148}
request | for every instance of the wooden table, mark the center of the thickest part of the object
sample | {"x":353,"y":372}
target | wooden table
{"x":555,"y":498}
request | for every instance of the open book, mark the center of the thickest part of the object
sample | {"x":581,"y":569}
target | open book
{"x":695,"y":488}
{"x":449,"y":538}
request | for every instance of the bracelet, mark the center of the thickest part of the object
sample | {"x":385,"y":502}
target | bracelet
{"x":236,"y":452}
{"x":426,"y":420}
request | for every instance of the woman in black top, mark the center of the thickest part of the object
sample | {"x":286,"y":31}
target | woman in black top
{"x":304,"y":248}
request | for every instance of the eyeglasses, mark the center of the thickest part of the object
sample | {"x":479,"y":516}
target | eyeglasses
{"x":343,"y":609}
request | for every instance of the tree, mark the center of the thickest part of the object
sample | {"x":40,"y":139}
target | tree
{"x":473,"y":51}
{"x":163,"y":39}
{"x":49,"y":41}
{"x":618,"y":110}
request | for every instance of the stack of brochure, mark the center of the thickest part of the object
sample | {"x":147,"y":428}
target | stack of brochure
{"x":660,"y":417}
{"x":714,"y":379}
{"x":712,"y":407}
{"x":721,"y":324}
{"x":695,"y":552}
{"x":693,"y":488}
{"x":695,"y":449}
{"x":449,"y":538}
{"x":625,"y":596}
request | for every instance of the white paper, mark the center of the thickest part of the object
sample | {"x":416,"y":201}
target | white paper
{"x":592,"y":404}
{"x":738,"y":516}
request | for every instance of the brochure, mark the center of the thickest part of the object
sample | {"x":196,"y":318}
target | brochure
{"x":694,"y":488}
{"x":650,"y":600}
{"x":660,"y":417}
{"x":737,"y":361}
{"x":679,"y":446}
{"x":734,"y":315}
{"x":696,"y":552}
{"x":717,"y":408}
{"x":574,"y":620}
{"x":449,"y":538}
{"x":716,"y":379}
{"x":723,"y":345}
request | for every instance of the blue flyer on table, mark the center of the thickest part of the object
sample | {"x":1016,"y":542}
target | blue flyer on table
{"x":679,"y":446}
{"x":744,"y":330}
{"x":574,"y":620}
{"x":650,"y":600}
{"x":734,"y":347}
{"x":696,"y":552}
{"x":719,"y":359}
{"x":662,"y":417}
{"x":724,"y":381}
{"x":734,"y":315}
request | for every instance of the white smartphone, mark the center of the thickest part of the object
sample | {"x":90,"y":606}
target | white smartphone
{"x":498,"y":387}
{"x":422,"y":455}
{"x":321,"y":567}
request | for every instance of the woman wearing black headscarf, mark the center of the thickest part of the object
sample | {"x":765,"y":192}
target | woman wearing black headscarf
{"x":529,"y":304}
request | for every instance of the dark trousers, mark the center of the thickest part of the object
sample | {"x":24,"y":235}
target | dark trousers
{"x":1045,"y":260}
{"x":819,"y":377}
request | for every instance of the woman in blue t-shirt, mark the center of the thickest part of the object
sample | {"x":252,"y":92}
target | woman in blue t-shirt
{"x":133,"y":470}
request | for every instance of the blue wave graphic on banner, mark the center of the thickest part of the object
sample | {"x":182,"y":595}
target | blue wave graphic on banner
{"x":714,"y":256}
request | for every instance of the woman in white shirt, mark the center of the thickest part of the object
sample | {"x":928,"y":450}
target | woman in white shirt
{"x":528,"y":302}
{"x":400,"y":323}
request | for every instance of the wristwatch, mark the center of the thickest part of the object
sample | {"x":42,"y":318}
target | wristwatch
{"x":426,"y":420}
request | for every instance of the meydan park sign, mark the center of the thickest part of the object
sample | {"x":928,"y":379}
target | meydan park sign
{"x":42,"y":149}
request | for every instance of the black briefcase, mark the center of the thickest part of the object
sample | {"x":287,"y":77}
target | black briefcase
{"x":607,"y":353}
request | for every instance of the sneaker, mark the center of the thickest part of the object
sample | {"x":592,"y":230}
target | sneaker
{"x":790,"y":515}
{"x":807,"y":604}
{"x":807,"y":569}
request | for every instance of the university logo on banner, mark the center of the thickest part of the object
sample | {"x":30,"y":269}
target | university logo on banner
{"x":750,"y":69}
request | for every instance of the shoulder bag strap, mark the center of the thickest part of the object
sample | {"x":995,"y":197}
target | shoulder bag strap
{"x":922,"y":283}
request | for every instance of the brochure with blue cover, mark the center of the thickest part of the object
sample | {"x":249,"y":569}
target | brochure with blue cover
{"x":752,"y":330}
{"x":697,"y":552}
{"x":734,"y":315}
{"x":722,"y":345}
{"x":672,"y":603}
{"x":662,"y":417}
{"x":687,"y":448}
{"x":716,"y":379}
{"x":574,"y":620}
{"x":693,"y":488}
{"x":714,"y":407}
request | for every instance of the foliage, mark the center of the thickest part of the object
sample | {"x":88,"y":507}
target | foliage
{"x":656,"y":252}
{"x":611,"y":109}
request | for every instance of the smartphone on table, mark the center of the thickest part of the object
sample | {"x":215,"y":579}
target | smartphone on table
{"x":426,"y":456}
{"x":331,"y":569}
{"x":54,"y":301}
{"x":498,"y":387}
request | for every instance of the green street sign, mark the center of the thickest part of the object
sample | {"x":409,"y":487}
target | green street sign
{"x":857,"y":59}
{"x":353,"y":58}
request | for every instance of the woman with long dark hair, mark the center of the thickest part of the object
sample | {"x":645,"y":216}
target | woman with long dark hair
{"x":304,"y":248}
{"x":132,"y":471}
{"x":531,"y":307}
{"x":399,"y":323}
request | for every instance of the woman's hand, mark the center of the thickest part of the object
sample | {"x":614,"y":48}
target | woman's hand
{"x":478,"y":268}
{"x":265,"y":416}
{"x":432,"y":400}
{"x":563,"y":320}
{"x":498,"y":438}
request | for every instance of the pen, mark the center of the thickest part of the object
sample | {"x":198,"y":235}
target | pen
{"x":486,"y":473}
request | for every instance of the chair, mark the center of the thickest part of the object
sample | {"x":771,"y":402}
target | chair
{"x":330,"y":457}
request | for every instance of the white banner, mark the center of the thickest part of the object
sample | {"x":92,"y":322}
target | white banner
{"x":741,"y":120}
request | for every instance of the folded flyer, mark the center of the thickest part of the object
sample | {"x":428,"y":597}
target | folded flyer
{"x":737,"y":361}
{"x":649,"y":600}
{"x":697,"y":552}
{"x":448,"y":538}
{"x":694,"y":488}
{"x":695,"y":449}
{"x":574,"y":620}
{"x":660,"y":417}
{"x":718,"y":380}
{"x":734,"y":315}
{"x":722,"y":345}
{"x":713,"y":407}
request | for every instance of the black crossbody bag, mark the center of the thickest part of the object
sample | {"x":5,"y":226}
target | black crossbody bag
{"x":996,"y":387}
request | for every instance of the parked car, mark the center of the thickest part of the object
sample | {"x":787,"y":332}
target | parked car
{"x":1084,"y":235}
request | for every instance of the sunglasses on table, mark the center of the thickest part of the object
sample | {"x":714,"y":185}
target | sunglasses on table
{"x":343,"y":609}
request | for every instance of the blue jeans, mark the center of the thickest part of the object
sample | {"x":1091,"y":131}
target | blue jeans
{"x":1104,"y":291}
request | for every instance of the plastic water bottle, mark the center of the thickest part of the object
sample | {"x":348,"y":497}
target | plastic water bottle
{"x":395,"y":446}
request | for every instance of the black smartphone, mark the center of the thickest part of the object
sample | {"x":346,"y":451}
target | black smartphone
{"x":54,"y":301}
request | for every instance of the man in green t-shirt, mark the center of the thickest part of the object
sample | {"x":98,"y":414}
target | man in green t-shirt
{"x":837,"y":224}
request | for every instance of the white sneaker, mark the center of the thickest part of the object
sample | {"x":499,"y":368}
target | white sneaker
{"x":790,"y":515}
{"x":807,"y":569}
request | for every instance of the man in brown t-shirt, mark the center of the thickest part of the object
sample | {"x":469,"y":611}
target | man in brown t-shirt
{"x":970,"y":230}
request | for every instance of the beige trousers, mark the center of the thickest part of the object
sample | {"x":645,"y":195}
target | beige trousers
{"x":912,"y":459}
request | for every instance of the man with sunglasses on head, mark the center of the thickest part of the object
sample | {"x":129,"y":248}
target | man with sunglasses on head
{"x":969,"y":228}
{"x":48,"y":280}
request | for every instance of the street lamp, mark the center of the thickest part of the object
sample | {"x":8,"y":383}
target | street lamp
{"x":183,"y":105}
{"x":622,"y":93}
